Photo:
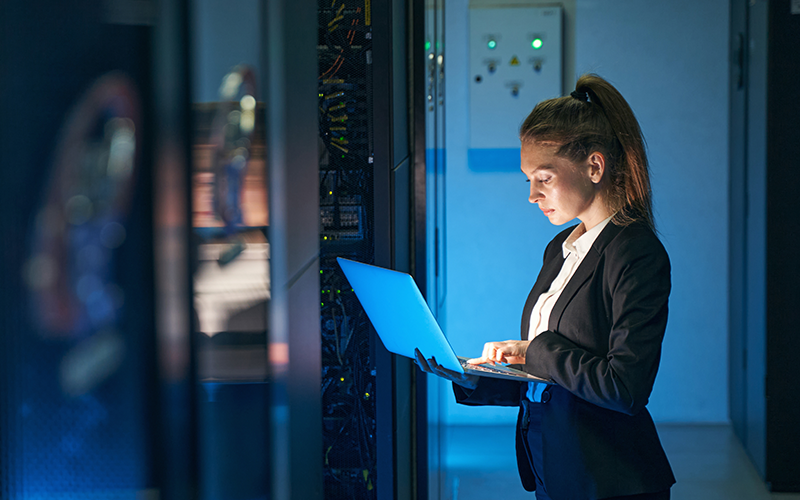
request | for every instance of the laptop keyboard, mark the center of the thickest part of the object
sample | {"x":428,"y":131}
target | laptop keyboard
{"x":483,"y":368}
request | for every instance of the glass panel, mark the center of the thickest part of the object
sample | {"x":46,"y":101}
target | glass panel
{"x":231,"y":252}
{"x":76,"y":314}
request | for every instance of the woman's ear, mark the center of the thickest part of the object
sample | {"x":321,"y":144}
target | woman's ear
{"x":597,"y":166}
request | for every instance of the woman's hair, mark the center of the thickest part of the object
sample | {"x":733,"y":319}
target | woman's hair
{"x":595,"y":117}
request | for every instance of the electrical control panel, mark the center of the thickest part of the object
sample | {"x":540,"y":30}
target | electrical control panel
{"x":515,"y":61}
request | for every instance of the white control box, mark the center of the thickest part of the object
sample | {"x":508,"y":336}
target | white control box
{"x":515,"y":59}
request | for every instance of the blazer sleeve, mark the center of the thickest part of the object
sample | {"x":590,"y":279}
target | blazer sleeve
{"x":490,"y":391}
{"x":636,"y":287}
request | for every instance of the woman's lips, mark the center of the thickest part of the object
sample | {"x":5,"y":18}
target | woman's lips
{"x":548,"y":211}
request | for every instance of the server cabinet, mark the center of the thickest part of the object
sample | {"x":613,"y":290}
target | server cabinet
{"x":371,"y":197}
{"x":765,"y":406}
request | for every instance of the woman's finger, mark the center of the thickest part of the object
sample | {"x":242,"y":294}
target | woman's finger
{"x":480,"y":361}
{"x":422,"y":362}
{"x":498,"y":355}
{"x":487,"y":355}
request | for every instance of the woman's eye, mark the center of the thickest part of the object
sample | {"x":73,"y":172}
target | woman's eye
{"x":545,"y":180}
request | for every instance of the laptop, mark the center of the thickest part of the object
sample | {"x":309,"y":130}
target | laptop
{"x":404,"y":322}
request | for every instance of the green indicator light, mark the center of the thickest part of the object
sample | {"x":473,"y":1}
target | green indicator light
{"x":320,"y":271}
{"x":338,"y":291}
{"x":427,"y":45}
{"x":492,"y":44}
{"x":322,"y":304}
{"x":537,"y":43}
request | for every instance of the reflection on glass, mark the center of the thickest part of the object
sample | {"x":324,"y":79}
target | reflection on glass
{"x":78,"y":423}
{"x":231,"y":280}
{"x":231,"y":253}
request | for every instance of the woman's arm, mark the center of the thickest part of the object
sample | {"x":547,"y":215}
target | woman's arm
{"x":636,"y":275}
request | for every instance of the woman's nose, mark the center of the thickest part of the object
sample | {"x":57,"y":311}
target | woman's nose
{"x":535,"y":195}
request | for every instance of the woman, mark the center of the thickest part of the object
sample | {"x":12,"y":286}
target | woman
{"x":595,"y":319}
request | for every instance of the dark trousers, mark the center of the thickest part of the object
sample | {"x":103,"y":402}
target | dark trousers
{"x":533,"y":438}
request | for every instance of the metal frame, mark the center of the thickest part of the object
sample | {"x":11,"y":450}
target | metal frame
{"x":294,"y":331}
{"x":399,"y":187}
{"x":175,"y":455}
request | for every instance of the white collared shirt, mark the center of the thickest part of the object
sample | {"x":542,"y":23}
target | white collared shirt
{"x":575,"y":248}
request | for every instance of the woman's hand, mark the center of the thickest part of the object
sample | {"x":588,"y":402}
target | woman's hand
{"x":508,"y":351}
{"x":432,"y":367}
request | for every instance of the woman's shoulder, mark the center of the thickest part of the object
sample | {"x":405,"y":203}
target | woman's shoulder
{"x":635,"y":240}
{"x":635,"y":257}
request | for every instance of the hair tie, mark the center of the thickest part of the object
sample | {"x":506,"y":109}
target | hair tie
{"x":581,"y":96}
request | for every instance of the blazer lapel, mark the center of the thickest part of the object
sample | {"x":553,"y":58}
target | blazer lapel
{"x":584,"y":272}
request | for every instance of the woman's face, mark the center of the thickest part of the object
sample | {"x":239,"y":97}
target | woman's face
{"x":562,"y":189}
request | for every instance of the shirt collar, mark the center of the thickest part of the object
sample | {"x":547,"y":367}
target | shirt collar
{"x":580,"y":240}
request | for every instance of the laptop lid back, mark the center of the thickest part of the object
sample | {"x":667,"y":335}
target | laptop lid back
{"x":398,"y":312}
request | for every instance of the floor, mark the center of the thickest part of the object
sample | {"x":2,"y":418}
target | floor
{"x":708,"y":461}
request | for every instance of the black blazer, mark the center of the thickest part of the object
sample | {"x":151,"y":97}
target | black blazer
{"x":601,"y":351}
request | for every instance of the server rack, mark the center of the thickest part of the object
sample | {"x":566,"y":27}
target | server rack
{"x":371,"y":197}
{"x":347,"y":228}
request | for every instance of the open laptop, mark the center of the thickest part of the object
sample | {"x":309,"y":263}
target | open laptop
{"x":404,"y":322}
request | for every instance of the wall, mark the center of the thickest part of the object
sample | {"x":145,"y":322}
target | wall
{"x":670,"y":60}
